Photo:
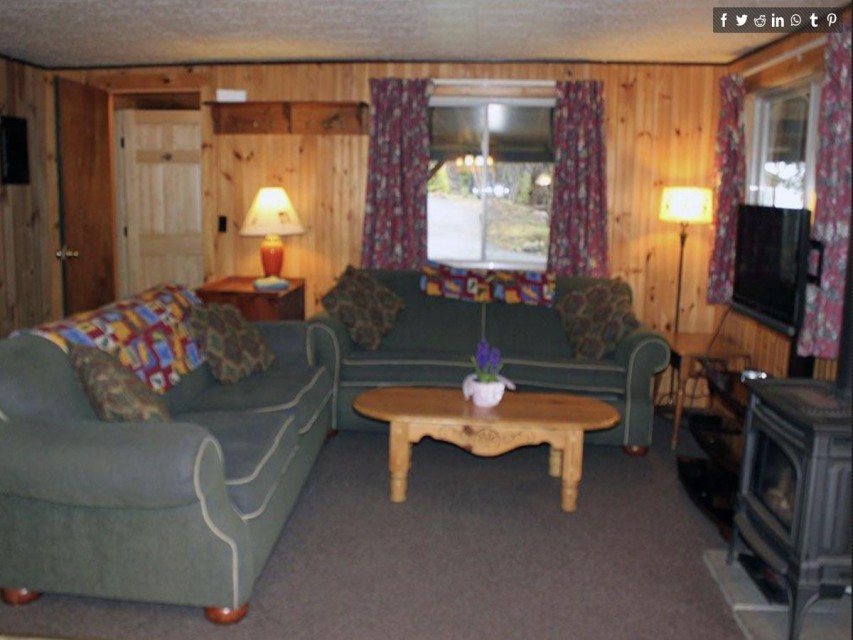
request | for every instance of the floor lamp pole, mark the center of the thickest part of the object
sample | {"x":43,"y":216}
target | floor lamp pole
{"x":680,"y":271}
{"x":683,"y":238}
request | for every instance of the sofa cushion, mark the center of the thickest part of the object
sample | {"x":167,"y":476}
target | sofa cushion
{"x":259,"y":423}
{"x":597,"y":318}
{"x":233,"y":348}
{"x":273,"y":389}
{"x":605,"y":378}
{"x":38,"y":380}
{"x":116,"y":393}
{"x":406,"y":367}
{"x":365,"y":307}
{"x":525,"y":331}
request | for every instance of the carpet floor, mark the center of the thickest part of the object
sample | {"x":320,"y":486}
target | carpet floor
{"x":480,"y":549}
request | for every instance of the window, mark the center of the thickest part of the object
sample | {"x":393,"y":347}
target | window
{"x":781,"y":171}
{"x":489,"y":195}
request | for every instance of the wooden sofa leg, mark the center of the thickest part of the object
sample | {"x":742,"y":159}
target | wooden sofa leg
{"x":19,"y":597}
{"x":635,"y":450}
{"x":226,"y":615}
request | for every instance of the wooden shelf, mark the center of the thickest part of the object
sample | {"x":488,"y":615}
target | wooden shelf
{"x":301,"y":118}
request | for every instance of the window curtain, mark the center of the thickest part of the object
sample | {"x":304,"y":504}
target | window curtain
{"x":730,"y":165}
{"x":821,"y":331}
{"x":578,"y":243}
{"x":395,"y":217}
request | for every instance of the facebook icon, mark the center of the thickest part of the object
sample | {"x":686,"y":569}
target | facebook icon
{"x":723,"y":19}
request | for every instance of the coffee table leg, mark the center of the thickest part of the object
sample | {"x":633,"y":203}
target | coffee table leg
{"x":572,"y":465}
{"x":555,"y":462}
{"x":399,"y":460}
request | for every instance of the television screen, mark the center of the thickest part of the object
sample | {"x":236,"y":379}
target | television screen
{"x":771,"y":256}
{"x":14,"y":163}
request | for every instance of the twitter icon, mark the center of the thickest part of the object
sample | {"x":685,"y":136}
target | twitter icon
{"x":741,"y":20}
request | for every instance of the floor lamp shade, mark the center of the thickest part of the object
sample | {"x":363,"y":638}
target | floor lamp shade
{"x":271,"y":216}
{"x":685,"y":205}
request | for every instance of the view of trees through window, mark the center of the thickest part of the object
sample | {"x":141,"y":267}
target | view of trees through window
{"x":784,"y":156}
{"x":489,"y":198}
{"x":512,"y":200}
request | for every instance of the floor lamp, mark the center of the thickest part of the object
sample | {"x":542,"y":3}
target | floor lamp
{"x":685,"y":205}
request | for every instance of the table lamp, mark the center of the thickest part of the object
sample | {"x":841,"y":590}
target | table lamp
{"x":271,"y":215}
{"x":685,"y":205}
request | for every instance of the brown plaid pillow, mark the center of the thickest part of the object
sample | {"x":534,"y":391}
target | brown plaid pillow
{"x":365,"y":307}
{"x":596,"y":318}
{"x":233,"y":347}
{"x":116,"y":393}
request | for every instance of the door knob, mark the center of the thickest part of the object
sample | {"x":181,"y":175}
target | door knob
{"x":66,"y":254}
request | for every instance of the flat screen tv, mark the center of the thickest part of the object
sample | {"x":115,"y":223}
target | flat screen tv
{"x":771,"y":265}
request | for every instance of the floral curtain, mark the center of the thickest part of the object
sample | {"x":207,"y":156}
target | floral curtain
{"x":821,"y":331}
{"x":395,"y":217}
{"x":730,"y":165}
{"x":578,"y":244}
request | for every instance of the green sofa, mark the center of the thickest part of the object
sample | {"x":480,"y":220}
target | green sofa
{"x":434,"y":338}
{"x":184,"y":512}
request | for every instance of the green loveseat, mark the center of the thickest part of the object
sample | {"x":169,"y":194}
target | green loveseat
{"x":433,"y":339}
{"x":182,"y":512}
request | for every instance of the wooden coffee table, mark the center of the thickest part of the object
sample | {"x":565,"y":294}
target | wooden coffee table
{"x":520,"y":419}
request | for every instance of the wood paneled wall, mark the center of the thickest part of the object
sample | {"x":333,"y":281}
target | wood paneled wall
{"x":30,"y":288}
{"x":661,"y":127}
{"x":661,"y":123}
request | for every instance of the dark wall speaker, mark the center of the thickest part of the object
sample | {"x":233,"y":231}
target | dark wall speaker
{"x":14,"y":159}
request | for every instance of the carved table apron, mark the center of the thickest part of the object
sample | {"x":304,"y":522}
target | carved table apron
{"x":521,"y":419}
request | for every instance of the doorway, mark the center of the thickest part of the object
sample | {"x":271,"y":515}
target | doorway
{"x":158,"y":191}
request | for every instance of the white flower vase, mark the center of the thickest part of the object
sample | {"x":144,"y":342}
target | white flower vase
{"x":485,"y":394}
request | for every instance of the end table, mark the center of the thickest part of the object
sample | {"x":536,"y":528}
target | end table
{"x":686,"y":350}
{"x":288,"y":304}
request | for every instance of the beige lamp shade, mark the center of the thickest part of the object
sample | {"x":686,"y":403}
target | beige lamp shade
{"x":688,"y":205}
{"x":272,"y":214}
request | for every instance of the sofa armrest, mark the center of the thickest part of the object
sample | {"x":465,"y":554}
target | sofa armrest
{"x":288,"y":340}
{"x":329,"y":344}
{"x":89,"y":463}
{"x":330,"y":341}
{"x":644,"y":351}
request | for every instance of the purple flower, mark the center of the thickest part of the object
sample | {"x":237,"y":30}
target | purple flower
{"x":487,"y":362}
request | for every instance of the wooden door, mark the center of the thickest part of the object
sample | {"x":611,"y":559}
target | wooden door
{"x":160,"y":186}
{"x":87,"y":212}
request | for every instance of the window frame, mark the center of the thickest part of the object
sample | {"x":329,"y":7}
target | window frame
{"x":484,"y":101}
{"x":759,"y":104}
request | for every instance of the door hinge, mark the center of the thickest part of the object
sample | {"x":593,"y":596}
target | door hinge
{"x":124,"y":230}
{"x":121,"y":142}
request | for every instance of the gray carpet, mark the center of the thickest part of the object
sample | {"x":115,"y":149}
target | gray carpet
{"x":481,"y":549}
{"x":826,"y":619}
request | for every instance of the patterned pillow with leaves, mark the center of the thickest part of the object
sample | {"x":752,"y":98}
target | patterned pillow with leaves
{"x":115,"y":392}
{"x":596,"y":318}
{"x":233,"y":348}
{"x":364,"y":306}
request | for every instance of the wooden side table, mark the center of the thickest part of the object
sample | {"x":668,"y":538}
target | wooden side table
{"x":687,"y":349}
{"x":255,"y":305}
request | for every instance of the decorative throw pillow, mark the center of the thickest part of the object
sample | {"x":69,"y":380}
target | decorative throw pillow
{"x":233,"y":347}
{"x":366,"y":308}
{"x":471,"y":285}
{"x":116,"y":393}
{"x":596,"y":318}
